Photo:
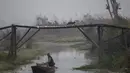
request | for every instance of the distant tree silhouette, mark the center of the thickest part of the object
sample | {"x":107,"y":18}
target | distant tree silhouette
{"x":70,"y":23}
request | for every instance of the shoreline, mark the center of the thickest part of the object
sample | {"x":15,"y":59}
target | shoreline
{"x":25,"y":56}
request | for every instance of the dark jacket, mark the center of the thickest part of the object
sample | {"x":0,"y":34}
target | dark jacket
{"x":51,"y":61}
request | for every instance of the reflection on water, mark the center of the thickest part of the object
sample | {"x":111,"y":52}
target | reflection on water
{"x":65,"y":60}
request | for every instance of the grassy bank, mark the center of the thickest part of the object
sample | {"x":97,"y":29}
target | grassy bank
{"x":114,"y":64}
{"x":85,"y":67}
{"x":81,"y":46}
{"x":68,"y":39}
{"x":24,"y":57}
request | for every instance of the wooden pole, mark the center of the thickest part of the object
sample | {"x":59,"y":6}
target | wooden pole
{"x":127,"y":55}
{"x":27,"y":39}
{"x":13,"y":42}
{"x":99,"y":43}
{"x":23,"y":36}
{"x":87,"y":37}
{"x":5,"y":36}
{"x":128,"y":67}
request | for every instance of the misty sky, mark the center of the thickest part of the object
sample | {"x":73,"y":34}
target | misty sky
{"x":25,"y":11}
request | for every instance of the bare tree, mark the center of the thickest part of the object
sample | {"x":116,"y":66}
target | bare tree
{"x":113,"y":7}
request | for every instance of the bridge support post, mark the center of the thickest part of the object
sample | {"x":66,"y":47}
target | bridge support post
{"x":127,"y":51}
{"x":13,"y":52}
{"x":100,"y":50}
{"x":128,"y":67}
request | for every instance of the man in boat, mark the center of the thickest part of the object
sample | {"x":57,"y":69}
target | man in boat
{"x":50,"y":62}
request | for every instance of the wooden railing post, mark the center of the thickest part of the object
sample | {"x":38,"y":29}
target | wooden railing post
{"x":100,"y":50}
{"x":127,"y":51}
{"x":13,"y":51}
{"x":128,"y":67}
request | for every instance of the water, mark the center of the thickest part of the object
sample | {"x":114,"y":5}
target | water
{"x":64,"y":56}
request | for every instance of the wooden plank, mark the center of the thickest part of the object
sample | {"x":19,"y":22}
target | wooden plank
{"x":5,"y":36}
{"x":71,"y":26}
{"x":5,"y":27}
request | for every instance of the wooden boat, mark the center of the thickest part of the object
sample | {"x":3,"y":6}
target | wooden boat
{"x":42,"y":68}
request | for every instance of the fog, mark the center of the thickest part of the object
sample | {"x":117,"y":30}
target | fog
{"x":25,"y":11}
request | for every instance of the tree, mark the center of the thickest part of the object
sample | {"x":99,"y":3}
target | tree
{"x":42,"y":21}
{"x":113,"y":7}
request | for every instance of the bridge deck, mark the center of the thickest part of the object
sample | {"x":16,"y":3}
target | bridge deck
{"x":67,"y":26}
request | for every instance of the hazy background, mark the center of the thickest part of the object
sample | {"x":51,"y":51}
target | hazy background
{"x":25,"y":11}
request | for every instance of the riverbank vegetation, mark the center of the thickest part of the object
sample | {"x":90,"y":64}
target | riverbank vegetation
{"x":115,"y":64}
{"x":114,"y":57}
{"x":24,"y":57}
{"x":113,"y":52}
{"x":68,"y":39}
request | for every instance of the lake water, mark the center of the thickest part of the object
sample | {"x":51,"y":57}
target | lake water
{"x":64,"y":56}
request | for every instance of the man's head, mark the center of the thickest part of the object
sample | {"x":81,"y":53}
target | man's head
{"x":48,"y":54}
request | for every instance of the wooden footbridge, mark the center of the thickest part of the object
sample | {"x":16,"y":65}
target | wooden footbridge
{"x":14,"y":46}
